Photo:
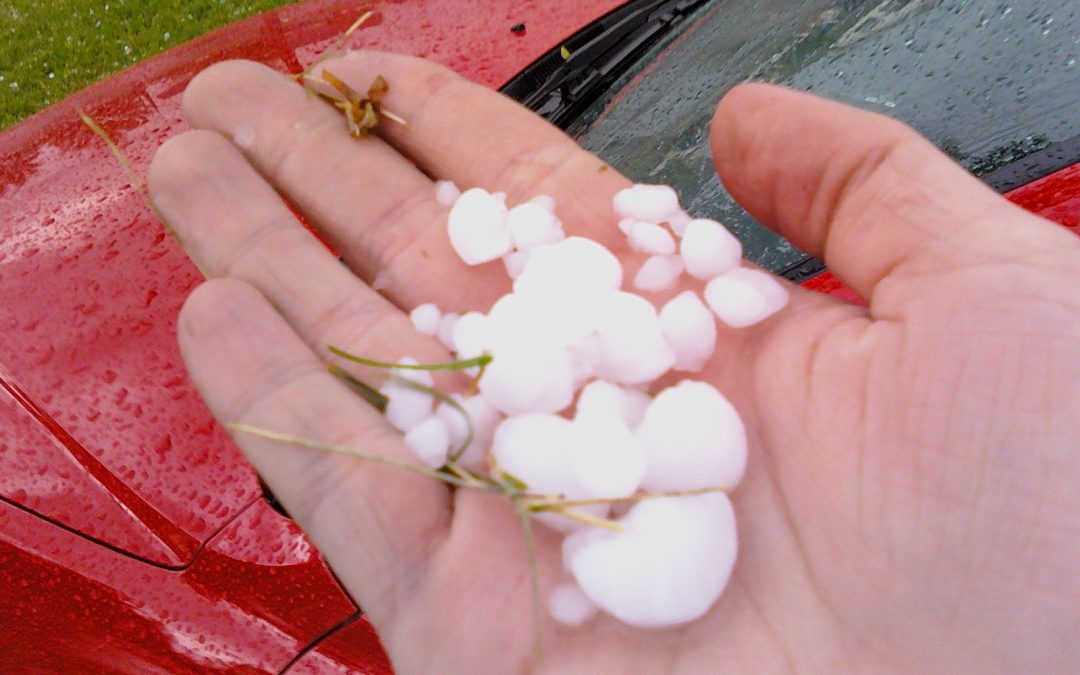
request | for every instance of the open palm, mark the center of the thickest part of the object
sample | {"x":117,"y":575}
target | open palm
{"x":911,"y":495}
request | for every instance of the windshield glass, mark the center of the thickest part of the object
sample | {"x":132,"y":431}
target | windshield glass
{"x":989,"y":82}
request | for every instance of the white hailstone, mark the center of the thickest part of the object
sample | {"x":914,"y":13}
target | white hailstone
{"x":573,"y":266}
{"x":515,"y":262}
{"x":601,"y":399}
{"x":627,"y":346}
{"x":529,"y":379}
{"x":546,"y":201}
{"x":446,"y":192}
{"x":694,"y":439}
{"x":667,"y":568}
{"x":745,"y":296}
{"x":570,"y":606}
{"x":429,"y":442}
{"x":445,"y":332}
{"x":709,"y":249}
{"x":530,"y":225}
{"x":477,"y":227}
{"x":411,"y":374}
{"x":649,"y":238}
{"x":425,"y":318}
{"x":679,"y":222}
{"x":533,"y":319}
{"x":484,"y":420}
{"x":471,"y":335}
{"x":637,"y":402}
{"x":609,"y":461}
{"x":659,"y":273}
{"x":407,"y":407}
{"x":537,"y":450}
{"x":651,"y":203}
{"x":690,"y":328}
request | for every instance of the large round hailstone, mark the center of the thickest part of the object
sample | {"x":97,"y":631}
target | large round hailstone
{"x":709,"y":249}
{"x":649,"y":203}
{"x":537,"y":449}
{"x":573,"y":266}
{"x":694,"y":439}
{"x":517,"y":320}
{"x":530,"y":224}
{"x":667,"y":568}
{"x":745,"y":296}
{"x":477,"y":227}
{"x":628,"y":347}
{"x":529,"y":380}
{"x":690,"y":328}
{"x":609,"y":461}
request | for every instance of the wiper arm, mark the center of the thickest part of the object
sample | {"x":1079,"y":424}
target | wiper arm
{"x":567,"y":79}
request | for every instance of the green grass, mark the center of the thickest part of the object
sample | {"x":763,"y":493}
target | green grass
{"x":52,"y":48}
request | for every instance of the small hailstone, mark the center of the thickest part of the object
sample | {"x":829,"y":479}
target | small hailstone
{"x":690,"y":328}
{"x":651,"y":203}
{"x":709,"y":249}
{"x":609,"y":461}
{"x":658,"y":273}
{"x":530,"y":225}
{"x":667,"y":568}
{"x":429,"y":442}
{"x":529,"y":380}
{"x":477,"y":227}
{"x":445,"y":332}
{"x":546,"y":201}
{"x":471,"y":335}
{"x":405,"y":407}
{"x":573,"y":266}
{"x":601,"y":399}
{"x":650,"y":238}
{"x":425,"y":318}
{"x":484,"y":420}
{"x":679,"y":221}
{"x":446,"y":192}
{"x":694,"y":439}
{"x":745,"y":296}
{"x":570,"y":606}
{"x":628,"y":347}
{"x":515,"y":262}
{"x":411,"y":374}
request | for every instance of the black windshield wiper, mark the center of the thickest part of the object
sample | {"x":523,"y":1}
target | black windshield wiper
{"x":568,"y":78}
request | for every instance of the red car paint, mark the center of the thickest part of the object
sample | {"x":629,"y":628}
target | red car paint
{"x":133,"y":536}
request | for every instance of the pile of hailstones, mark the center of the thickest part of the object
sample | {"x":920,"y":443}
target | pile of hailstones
{"x":568,"y":337}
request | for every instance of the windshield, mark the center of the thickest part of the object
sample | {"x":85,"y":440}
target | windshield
{"x":989,"y":82}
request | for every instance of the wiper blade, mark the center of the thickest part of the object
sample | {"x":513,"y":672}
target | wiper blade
{"x":567,"y":79}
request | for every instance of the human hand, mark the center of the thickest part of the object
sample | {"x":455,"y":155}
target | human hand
{"x":909,"y":501}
